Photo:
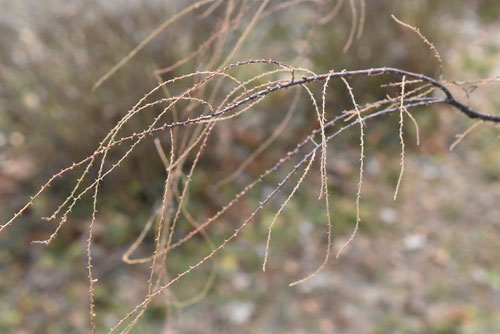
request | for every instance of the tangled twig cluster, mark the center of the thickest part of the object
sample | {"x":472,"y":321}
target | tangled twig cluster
{"x":190,"y":128}
{"x":205,"y":122}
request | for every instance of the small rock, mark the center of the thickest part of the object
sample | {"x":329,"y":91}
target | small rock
{"x":388,"y":215}
{"x":415,"y":242}
{"x":240,"y":312}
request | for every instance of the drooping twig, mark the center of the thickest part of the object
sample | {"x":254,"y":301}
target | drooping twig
{"x":401,"y":137}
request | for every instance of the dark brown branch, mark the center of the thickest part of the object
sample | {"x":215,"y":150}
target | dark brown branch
{"x":450,"y":99}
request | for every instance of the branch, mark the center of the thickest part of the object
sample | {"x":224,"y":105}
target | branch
{"x":449,"y":99}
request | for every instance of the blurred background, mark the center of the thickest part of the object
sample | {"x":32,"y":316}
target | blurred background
{"x":425,"y":263}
